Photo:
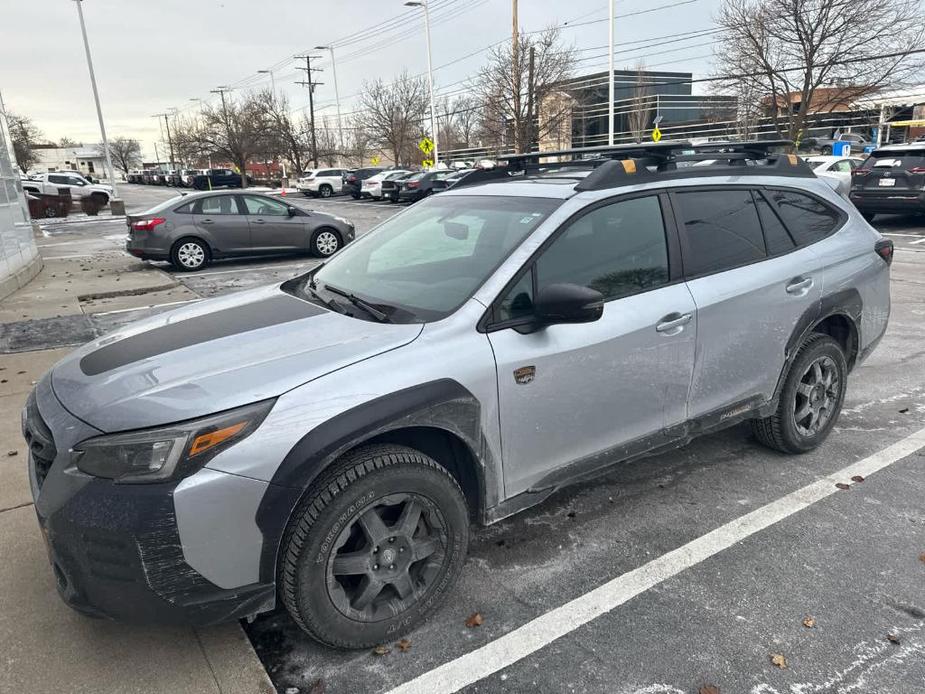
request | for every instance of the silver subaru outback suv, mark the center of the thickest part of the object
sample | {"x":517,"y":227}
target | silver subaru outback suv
{"x":325,"y":443}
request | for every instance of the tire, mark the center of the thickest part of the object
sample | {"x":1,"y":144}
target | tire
{"x":869,"y":216}
{"x":101,"y":199}
{"x":827,"y":150}
{"x":804,"y":385}
{"x":325,"y":191}
{"x":326,"y":242}
{"x":355,"y":196}
{"x":185,"y":258}
{"x":357,"y":508}
{"x":307,"y":194}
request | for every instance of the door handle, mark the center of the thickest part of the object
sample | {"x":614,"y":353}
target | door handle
{"x":673,"y":323}
{"x":259,"y":221}
{"x":799,"y":285}
{"x":207,"y":221}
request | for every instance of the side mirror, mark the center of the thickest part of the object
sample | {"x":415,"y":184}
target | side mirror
{"x":568,"y":303}
{"x":292,"y":211}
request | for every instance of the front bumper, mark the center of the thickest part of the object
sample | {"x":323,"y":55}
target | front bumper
{"x":115,"y":549}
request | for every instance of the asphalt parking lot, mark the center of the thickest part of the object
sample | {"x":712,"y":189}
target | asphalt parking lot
{"x":720,"y":564}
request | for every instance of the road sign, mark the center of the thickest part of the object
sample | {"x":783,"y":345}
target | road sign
{"x":427,"y":163}
{"x":656,"y":134}
{"x":375,"y":160}
{"x":426,"y":145}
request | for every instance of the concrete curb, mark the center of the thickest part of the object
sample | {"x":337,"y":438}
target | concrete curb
{"x":233,"y":662}
{"x":21,"y":277}
{"x":128,"y":292}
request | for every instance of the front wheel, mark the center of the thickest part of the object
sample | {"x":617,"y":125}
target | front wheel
{"x":374,"y":547}
{"x":325,"y":242}
{"x":189,"y":254}
{"x":810,"y":400}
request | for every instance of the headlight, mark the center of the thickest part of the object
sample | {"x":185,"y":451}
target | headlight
{"x":155,"y":455}
{"x":342,"y":220}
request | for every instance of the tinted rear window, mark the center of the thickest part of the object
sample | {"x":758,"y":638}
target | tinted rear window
{"x":722,"y":230}
{"x":900,"y":160}
{"x":808,"y":219}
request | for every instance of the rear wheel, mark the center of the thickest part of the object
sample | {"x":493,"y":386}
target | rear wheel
{"x":325,"y":242}
{"x":810,"y":400}
{"x":374,"y":547}
{"x":326,"y":191}
{"x":190,"y":254}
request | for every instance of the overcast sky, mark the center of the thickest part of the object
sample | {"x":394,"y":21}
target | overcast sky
{"x":151,"y":55}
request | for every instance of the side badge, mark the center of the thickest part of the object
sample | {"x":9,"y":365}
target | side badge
{"x":524,"y":375}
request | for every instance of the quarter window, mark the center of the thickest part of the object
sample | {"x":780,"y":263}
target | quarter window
{"x":722,"y":230}
{"x":619,"y":249}
{"x":808,"y":219}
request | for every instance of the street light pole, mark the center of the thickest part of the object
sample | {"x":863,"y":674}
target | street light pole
{"x":610,"y":81}
{"x":96,"y":98}
{"x":272,"y":79}
{"x":340,"y":123}
{"x":430,"y":77}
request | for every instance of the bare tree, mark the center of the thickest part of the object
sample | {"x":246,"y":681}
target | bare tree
{"x":25,"y":135}
{"x":287,"y":137}
{"x":810,"y":56}
{"x":358,"y":143}
{"x":328,"y":145}
{"x":640,"y":111}
{"x":392,"y":115}
{"x":236,"y":130}
{"x":125,"y":152}
{"x":508,"y":119}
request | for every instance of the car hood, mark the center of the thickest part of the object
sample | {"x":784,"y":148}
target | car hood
{"x":212,"y":356}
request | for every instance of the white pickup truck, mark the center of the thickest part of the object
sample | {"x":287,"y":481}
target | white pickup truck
{"x":80,"y":187}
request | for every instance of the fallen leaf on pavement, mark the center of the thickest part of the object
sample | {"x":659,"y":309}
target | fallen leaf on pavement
{"x":779,"y":660}
{"x":12,"y":453}
{"x":857,"y":478}
{"x":842,"y":485}
{"x":708,"y":689}
{"x":404,"y":645}
{"x":381,"y":650}
{"x":317,"y":687}
{"x":809,"y":622}
{"x":922,"y":557}
{"x":475,"y":620}
{"x":893,"y":638}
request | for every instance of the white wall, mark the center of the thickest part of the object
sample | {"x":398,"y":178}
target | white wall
{"x":17,"y":245}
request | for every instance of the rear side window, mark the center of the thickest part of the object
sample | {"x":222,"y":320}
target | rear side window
{"x":721,"y":228}
{"x":185,"y":209}
{"x":776,"y":236}
{"x":223,"y":204}
{"x":808,"y":219}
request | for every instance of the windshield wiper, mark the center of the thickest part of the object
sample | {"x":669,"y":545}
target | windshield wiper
{"x":359,"y":303}
{"x":330,"y":303}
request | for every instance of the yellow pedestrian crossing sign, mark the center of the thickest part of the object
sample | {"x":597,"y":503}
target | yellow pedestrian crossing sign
{"x":375,"y":160}
{"x":426,"y":145}
{"x":656,"y":134}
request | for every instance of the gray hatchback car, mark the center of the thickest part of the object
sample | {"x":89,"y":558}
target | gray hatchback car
{"x":192,"y":230}
{"x":326,"y":442}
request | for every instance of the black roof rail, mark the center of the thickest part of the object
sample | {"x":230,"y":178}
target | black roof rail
{"x":643,"y":162}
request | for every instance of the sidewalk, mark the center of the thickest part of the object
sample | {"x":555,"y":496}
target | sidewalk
{"x":46,"y":646}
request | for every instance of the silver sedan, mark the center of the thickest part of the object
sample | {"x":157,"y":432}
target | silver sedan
{"x":192,"y":230}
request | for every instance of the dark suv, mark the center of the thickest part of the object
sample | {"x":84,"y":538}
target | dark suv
{"x":891,"y":179}
{"x":353,"y":180}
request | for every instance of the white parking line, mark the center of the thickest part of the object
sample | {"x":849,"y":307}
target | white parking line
{"x":895,"y":233}
{"x":916,"y":243}
{"x":534,"y":635}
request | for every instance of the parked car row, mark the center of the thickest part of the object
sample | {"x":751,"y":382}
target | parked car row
{"x":377,"y":183}
{"x":200,"y":179}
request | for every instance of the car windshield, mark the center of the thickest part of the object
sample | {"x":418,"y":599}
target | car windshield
{"x":424,"y":263}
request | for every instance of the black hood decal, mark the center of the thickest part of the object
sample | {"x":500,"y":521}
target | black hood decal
{"x":193,"y":331}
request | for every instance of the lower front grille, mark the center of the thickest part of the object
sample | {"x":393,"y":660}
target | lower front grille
{"x":40,"y":441}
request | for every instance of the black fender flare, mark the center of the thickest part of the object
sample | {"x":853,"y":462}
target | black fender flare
{"x":846,"y":303}
{"x":442,"y":404}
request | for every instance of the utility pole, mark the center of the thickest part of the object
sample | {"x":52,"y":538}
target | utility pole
{"x":515,"y":75}
{"x":610,"y":80}
{"x":532,"y":106}
{"x":340,"y":123}
{"x":169,"y":140}
{"x":310,"y":83}
{"x":99,"y":110}
{"x":221,"y":92}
